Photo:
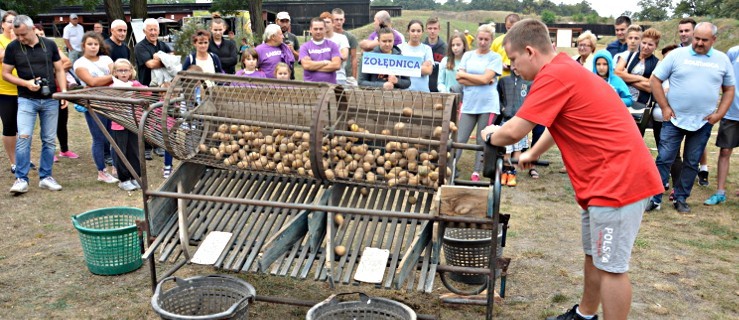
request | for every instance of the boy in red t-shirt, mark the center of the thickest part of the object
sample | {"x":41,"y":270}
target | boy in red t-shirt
{"x":610,"y":167}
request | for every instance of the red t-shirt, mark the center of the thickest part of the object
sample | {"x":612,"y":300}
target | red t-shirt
{"x":604,"y":153}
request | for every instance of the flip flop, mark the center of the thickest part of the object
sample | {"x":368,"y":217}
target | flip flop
{"x":533,"y":174}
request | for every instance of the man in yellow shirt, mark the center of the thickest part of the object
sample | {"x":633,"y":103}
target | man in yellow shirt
{"x":497,"y":45}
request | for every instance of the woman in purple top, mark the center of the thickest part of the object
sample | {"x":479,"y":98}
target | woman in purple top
{"x":273,"y":51}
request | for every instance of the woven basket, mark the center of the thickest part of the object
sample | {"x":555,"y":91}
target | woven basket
{"x":203,"y":298}
{"x":366,"y":308}
{"x":470,"y":248}
{"x":109,"y":239}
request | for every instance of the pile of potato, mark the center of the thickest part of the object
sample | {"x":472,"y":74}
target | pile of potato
{"x":247,"y":147}
{"x":344,"y":158}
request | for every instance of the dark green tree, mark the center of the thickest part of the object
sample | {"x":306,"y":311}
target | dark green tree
{"x":548,"y":17}
{"x":653,"y":10}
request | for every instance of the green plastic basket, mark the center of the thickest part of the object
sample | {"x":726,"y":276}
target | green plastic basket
{"x":109,"y":239}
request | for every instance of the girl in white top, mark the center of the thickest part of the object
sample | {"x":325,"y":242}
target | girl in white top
{"x":93,"y":69}
{"x":414,"y":48}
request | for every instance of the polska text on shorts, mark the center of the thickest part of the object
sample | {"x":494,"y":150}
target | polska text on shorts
{"x":608,"y":234}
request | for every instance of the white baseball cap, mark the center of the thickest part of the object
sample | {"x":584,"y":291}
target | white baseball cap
{"x":283,"y":15}
{"x":73,"y":16}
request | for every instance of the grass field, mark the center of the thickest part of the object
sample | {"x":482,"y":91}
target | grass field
{"x":683,"y":266}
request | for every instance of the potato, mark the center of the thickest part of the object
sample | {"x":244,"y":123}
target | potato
{"x":452,"y":126}
{"x":413,"y":166}
{"x":241,"y":164}
{"x":338,"y":218}
{"x":413,"y":180}
{"x":306,"y":137}
{"x":380,"y":171}
{"x":269,"y":139}
{"x":399,"y":126}
{"x":354,"y":127}
{"x":412,"y":200}
{"x":223,"y":128}
{"x":392,"y":182}
{"x":203,"y":147}
{"x":364,"y":191}
{"x":216,"y":135}
{"x":369,"y":158}
{"x":225,"y":137}
{"x":411,"y":153}
{"x":407,"y":112}
{"x":234,"y":128}
{"x":214,"y":150}
{"x":434,"y":176}
{"x":366,"y":166}
{"x":423,"y":170}
{"x":219,"y":155}
{"x":385,"y":132}
{"x":330,"y":174}
{"x":437,"y":132}
{"x":301,"y":171}
{"x":359,"y":174}
{"x":424,"y":156}
{"x":353,"y":165}
{"x":438,"y":106}
{"x":340,"y":250}
{"x":371,"y":177}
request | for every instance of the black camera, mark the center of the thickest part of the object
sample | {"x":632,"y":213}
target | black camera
{"x":44,"y":84}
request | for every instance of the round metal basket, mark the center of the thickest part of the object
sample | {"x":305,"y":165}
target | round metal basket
{"x":469,"y":248}
{"x":366,"y":308}
{"x":203,"y":297}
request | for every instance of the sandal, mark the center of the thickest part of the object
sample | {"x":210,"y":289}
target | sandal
{"x":533,"y":174}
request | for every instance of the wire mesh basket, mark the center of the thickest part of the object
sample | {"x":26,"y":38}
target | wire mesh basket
{"x":470,"y":248}
{"x":203,"y":298}
{"x":110,"y":240}
{"x":370,"y":308}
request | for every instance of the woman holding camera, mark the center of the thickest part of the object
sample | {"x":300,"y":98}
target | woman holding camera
{"x":93,"y":69}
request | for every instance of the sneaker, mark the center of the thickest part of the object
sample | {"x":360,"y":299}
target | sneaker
{"x":571,"y":315}
{"x":56,"y":159}
{"x":475,"y":177}
{"x":504,"y":178}
{"x":19,"y":186}
{"x":703,"y":178}
{"x":715,"y":199}
{"x":682,"y":207}
{"x":127,"y":186}
{"x":106,"y":177}
{"x":511,"y":179}
{"x":135,"y":183}
{"x":68,"y":154}
{"x":159,"y":151}
{"x":166,"y":172}
{"x":49,"y":183}
{"x":653,"y":206}
{"x":147,"y":155}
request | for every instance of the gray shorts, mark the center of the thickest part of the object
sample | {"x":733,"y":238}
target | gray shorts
{"x":608,"y":234}
{"x":728,"y":134}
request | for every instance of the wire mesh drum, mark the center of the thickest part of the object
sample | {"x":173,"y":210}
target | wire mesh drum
{"x":243,"y":123}
{"x":359,"y":136}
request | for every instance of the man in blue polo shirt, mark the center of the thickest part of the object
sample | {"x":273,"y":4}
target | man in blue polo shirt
{"x":696,"y":74}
